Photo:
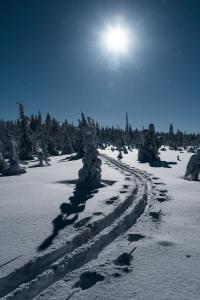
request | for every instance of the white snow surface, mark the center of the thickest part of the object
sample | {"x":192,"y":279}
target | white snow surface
{"x":29,"y":203}
{"x":166,"y":261}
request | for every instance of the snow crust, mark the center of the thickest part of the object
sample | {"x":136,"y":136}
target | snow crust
{"x":165,"y":262}
{"x":30,"y":202}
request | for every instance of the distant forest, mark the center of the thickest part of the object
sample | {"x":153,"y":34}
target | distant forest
{"x":54,"y":137}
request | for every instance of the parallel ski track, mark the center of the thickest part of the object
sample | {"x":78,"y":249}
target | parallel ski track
{"x":88,"y":251}
{"x":136,"y":172}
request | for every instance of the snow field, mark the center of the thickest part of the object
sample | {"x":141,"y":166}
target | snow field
{"x":165,"y":238}
{"x":90,"y":250}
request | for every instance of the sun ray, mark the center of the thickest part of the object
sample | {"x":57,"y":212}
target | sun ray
{"x":116,"y":39}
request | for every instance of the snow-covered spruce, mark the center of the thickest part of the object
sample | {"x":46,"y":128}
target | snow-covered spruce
{"x":150,"y":144}
{"x":13,"y":149}
{"x":3,"y":164}
{"x":13,"y":168}
{"x":193,"y":167}
{"x":119,"y":156}
{"x":125,"y":150}
{"x":90,"y":173}
{"x":41,"y":156}
{"x":67,"y":145}
{"x":25,"y":142}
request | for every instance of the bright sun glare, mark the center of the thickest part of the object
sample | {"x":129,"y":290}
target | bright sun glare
{"x":116,"y":39}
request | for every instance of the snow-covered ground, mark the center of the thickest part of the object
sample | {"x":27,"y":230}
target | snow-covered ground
{"x":166,"y":260}
{"x":31,"y":201}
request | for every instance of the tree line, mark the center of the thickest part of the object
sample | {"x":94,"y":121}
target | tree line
{"x":54,"y":137}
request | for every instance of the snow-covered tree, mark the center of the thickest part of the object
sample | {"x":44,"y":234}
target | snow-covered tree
{"x":25,"y":142}
{"x":82,"y":128}
{"x":193,"y":167}
{"x":13,"y":149}
{"x":127,"y":131}
{"x":150,"y":144}
{"x":67,"y":146}
{"x":90,"y":173}
{"x":119,"y":156}
{"x":3,"y":164}
{"x":41,"y":156}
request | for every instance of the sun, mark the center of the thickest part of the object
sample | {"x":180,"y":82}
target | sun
{"x":116,"y":39}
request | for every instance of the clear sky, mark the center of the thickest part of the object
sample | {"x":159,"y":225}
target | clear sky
{"x":52,"y":59}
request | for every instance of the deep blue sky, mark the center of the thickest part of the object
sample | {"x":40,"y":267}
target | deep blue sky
{"x":51,"y":59}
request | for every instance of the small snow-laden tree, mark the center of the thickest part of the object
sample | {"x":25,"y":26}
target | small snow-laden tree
{"x":50,"y":132}
{"x":124,"y":143}
{"x":25,"y":141}
{"x":119,"y":141}
{"x":14,"y":166}
{"x":67,"y":146}
{"x":1,"y":147}
{"x":73,"y":140}
{"x":14,"y":169}
{"x":127,"y":132}
{"x":150,"y":144}
{"x":41,"y":156}
{"x":3,"y":164}
{"x":121,"y":144}
{"x":13,"y":149}
{"x":171,"y":137}
{"x":90,"y":173}
{"x":120,"y":155}
{"x":193,"y":167}
{"x":42,"y":139}
{"x":125,"y":150}
{"x":82,"y":128}
{"x":65,"y":138}
{"x":35,"y":125}
{"x":179,"y":139}
{"x":51,"y":147}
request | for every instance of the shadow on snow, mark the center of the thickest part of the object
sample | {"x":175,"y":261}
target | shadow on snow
{"x":161,"y":164}
{"x":77,"y":204}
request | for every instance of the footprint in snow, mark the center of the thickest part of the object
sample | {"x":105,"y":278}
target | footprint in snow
{"x":134,"y":237}
{"x":125,"y":186}
{"x":109,"y":201}
{"x":162,"y":191}
{"x":98,"y":213}
{"x":112,"y":199}
{"x":88,"y":279}
{"x":123,"y":192}
{"x":124,"y":259}
{"x":161,"y":199}
{"x":166,"y":243}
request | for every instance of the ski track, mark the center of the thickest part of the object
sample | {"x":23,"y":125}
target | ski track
{"x":36,"y":276}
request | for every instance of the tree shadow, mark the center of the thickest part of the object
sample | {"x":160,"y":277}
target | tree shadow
{"x":59,"y":223}
{"x":188,"y":178}
{"x":76,"y":205}
{"x":35,"y":166}
{"x":161,"y":164}
{"x":103,"y":183}
{"x":70,"y":158}
{"x":38,"y":166}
